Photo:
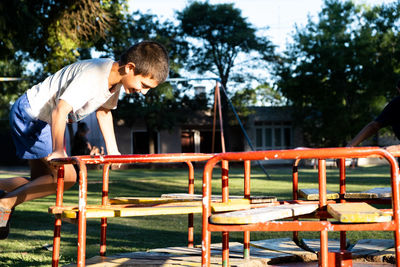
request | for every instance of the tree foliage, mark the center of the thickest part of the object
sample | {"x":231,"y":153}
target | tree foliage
{"x":340,"y":70}
{"x":137,"y":27}
{"x":164,"y":106}
{"x":53,"y":32}
{"x":220,"y":38}
{"x":220,"y":34}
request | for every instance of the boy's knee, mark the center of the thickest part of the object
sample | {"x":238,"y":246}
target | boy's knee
{"x":69,"y":176}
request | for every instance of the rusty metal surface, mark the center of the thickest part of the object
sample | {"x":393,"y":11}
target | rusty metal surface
{"x":321,"y":225}
{"x":82,"y":162}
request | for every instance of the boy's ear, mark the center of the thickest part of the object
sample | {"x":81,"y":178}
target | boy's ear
{"x":130,"y":67}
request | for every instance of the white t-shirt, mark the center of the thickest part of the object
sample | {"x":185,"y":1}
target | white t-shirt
{"x":83,"y":85}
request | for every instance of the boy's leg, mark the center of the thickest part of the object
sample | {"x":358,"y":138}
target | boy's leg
{"x":10,"y":184}
{"x":43,"y":183}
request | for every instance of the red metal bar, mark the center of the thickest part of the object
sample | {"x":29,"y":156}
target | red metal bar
{"x":225,"y":249}
{"x":305,"y":226}
{"x":247,"y":170}
{"x":342,"y":192}
{"x":225,"y":181}
{"x":126,"y":159}
{"x":306,"y":153}
{"x":295,"y":192}
{"x":82,"y":215}
{"x":246,"y":234}
{"x":396,"y":208}
{"x":214,"y":118}
{"x":225,"y":198}
{"x":190,"y":216}
{"x":295,"y":178}
{"x":57,"y":222}
{"x":342,"y":179}
{"x":104,"y":201}
{"x":206,"y":233}
{"x":220,"y":118}
{"x":322,"y":205}
{"x":322,"y":226}
{"x":82,"y":161}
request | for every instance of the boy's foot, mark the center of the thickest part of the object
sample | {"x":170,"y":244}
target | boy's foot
{"x":5,"y":215}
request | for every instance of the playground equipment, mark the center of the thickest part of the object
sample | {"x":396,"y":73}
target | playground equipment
{"x":217,"y":107}
{"x":167,"y":204}
{"x":264,"y":217}
{"x":225,"y":213}
{"x":120,"y":207}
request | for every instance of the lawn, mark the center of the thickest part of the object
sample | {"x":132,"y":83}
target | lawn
{"x":32,"y":226}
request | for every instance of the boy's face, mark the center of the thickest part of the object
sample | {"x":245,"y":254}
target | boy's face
{"x":137,"y":83}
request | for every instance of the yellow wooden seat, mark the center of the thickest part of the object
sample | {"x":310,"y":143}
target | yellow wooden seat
{"x":146,"y":200}
{"x":357,"y":212}
{"x":313,"y":194}
{"x":148,"y":206}
{"x":253,"y":199}
{"x":259,"y":215}
{"x":378,"y":192}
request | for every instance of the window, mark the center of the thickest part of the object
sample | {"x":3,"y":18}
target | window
{"x":273,"y":135}
{"x":195,"y":141}
{"x":141,"y":142}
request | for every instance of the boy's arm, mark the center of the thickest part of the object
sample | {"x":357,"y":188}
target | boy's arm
{"x":105,"y":120}
{"x":58,"y":121}
{"x":369,"y":130}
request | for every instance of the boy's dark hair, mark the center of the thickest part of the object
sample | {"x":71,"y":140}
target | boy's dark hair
{"x":150,"y":59}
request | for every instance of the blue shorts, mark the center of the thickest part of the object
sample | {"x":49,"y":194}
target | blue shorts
{"x":32,"y":137}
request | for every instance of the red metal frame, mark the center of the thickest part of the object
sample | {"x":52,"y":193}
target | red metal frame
{"x":81,"y":162}
{"x":323,"y":226}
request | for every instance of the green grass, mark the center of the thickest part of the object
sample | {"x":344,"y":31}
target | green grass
{"x":32,"y":226}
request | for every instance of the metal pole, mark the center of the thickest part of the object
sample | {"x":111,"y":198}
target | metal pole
{"x":243,"y":130}
{"x":221,"y":126}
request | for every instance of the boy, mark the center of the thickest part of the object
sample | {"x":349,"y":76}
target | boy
{"x":38,"y":118}
{"x":389,"y":116}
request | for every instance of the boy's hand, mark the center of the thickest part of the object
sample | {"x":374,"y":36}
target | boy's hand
{"x":115,"y":166}
{"x":114,"y":153}
{"x":56,"y":154}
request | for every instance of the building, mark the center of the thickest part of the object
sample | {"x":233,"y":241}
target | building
{"x":267,"y":128}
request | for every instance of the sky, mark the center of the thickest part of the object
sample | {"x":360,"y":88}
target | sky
{"x":279,"y":16}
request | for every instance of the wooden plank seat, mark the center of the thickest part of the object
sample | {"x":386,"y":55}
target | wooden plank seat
{"x":148,"y":206}
{"x":265,"y":214}
{"x":357,"y":212}
{"x":175,"y":197}
{"x":374,"y":193}
{"x":378,"y":192}
{"x":146,"y":200}
{"x":313,"y":194}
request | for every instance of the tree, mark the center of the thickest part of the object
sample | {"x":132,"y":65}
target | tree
{"x":52,"y":33}
{"x":222,"y":37}
{"x":338,"y":71}
{"x":164,"y":106}
{"x":136,"y":27}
